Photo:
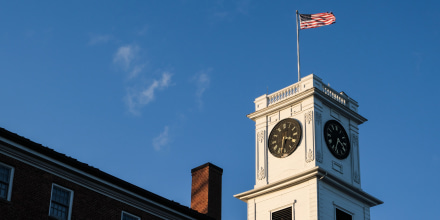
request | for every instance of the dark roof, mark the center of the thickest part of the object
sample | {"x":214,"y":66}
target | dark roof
{"x":100,"y":174}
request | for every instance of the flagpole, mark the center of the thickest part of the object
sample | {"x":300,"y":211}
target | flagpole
{"x":297,"y":45}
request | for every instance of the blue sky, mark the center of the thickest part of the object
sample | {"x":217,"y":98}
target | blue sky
{"x":148,"y":90}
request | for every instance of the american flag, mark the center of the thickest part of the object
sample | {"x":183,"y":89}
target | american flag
{"x":316,"y":20}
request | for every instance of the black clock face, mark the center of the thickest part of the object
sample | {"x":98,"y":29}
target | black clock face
{"x":336,"y":139}
{"x":284,"y":138}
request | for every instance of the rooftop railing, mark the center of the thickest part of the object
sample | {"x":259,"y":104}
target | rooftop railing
{"x":297,"y":87}
{"x":284,"y":93}
{"x":335,"y":95}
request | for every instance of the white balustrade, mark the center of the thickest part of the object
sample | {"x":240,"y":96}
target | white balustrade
{"x":295,"y":89}
{"x":284,"y":93}
{"x":335,"y":95}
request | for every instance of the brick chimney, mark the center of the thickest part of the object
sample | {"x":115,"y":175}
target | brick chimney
{"x":206,"y":190}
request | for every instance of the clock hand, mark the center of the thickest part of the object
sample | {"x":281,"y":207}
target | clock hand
{"x":337,"y":142}
{"x":282,"y":144}
{"x":342,"y":145}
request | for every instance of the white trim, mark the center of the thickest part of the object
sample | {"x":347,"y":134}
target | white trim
{"x":129,"y":214}
{"x":70,"y":202}
{"x":11,"y":180}
{"x":313,"y":173}
{"x":311,"y":92}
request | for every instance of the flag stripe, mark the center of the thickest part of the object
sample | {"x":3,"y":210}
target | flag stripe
{"x":316,"y":20}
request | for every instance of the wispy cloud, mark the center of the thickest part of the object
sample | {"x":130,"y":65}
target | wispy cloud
{"x":125,"y":55}
{"x":138,"y":93}
{"x":162,"y":140}
{"x":127,"y":58}
{"x":136,"y":70}
{"x":99,"y":39}
{"x":136,"y":99}
{"x":202,"y":82}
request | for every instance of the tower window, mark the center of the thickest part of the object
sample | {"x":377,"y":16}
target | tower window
{"x":283,"y":214}
{"x":341,"y":215}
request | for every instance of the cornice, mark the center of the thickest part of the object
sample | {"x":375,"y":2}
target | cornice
{"x":304,"y":95}
{"x":279,"y":185}
{"x":344,"y":110}
{"x":348,"y":189}
{"x":315,"y":173}
{"x":284,"y":103}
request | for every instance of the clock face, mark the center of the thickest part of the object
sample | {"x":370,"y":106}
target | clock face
{"x":284,"y":138}
{"x":336,"y":139}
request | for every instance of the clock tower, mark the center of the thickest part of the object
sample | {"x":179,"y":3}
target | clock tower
{"x":307,"y":156}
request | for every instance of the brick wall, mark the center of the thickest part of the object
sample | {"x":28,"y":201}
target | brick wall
{"x":31,"y":193}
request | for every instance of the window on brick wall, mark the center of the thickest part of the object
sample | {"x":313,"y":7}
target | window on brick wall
{"x":341,"y":215}
{"x":283,"y":214}
{"x":6,"y":177}
{"x":61,"y":202}
{"x":128,"y":216}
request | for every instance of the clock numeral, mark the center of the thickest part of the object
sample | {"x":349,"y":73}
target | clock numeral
{"x":284,"y":126}
{"x":274,"y":142}
{"x":279,"y":129}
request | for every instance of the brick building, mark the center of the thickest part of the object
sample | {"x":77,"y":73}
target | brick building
{"x":37,"y":182}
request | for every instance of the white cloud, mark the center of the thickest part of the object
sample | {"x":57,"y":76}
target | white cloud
{"x":202,"y":81}
{"x":136,"y":99}
{"x":125,"y":56}
{"x":166,"y":78}
{"x":162,"y":140}
{"x":98,"y":39}
{"x":135,"y":71}
{"x":138,"y":94}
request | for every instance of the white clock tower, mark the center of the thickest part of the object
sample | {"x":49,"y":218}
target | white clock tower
{"x":318,"y":177}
